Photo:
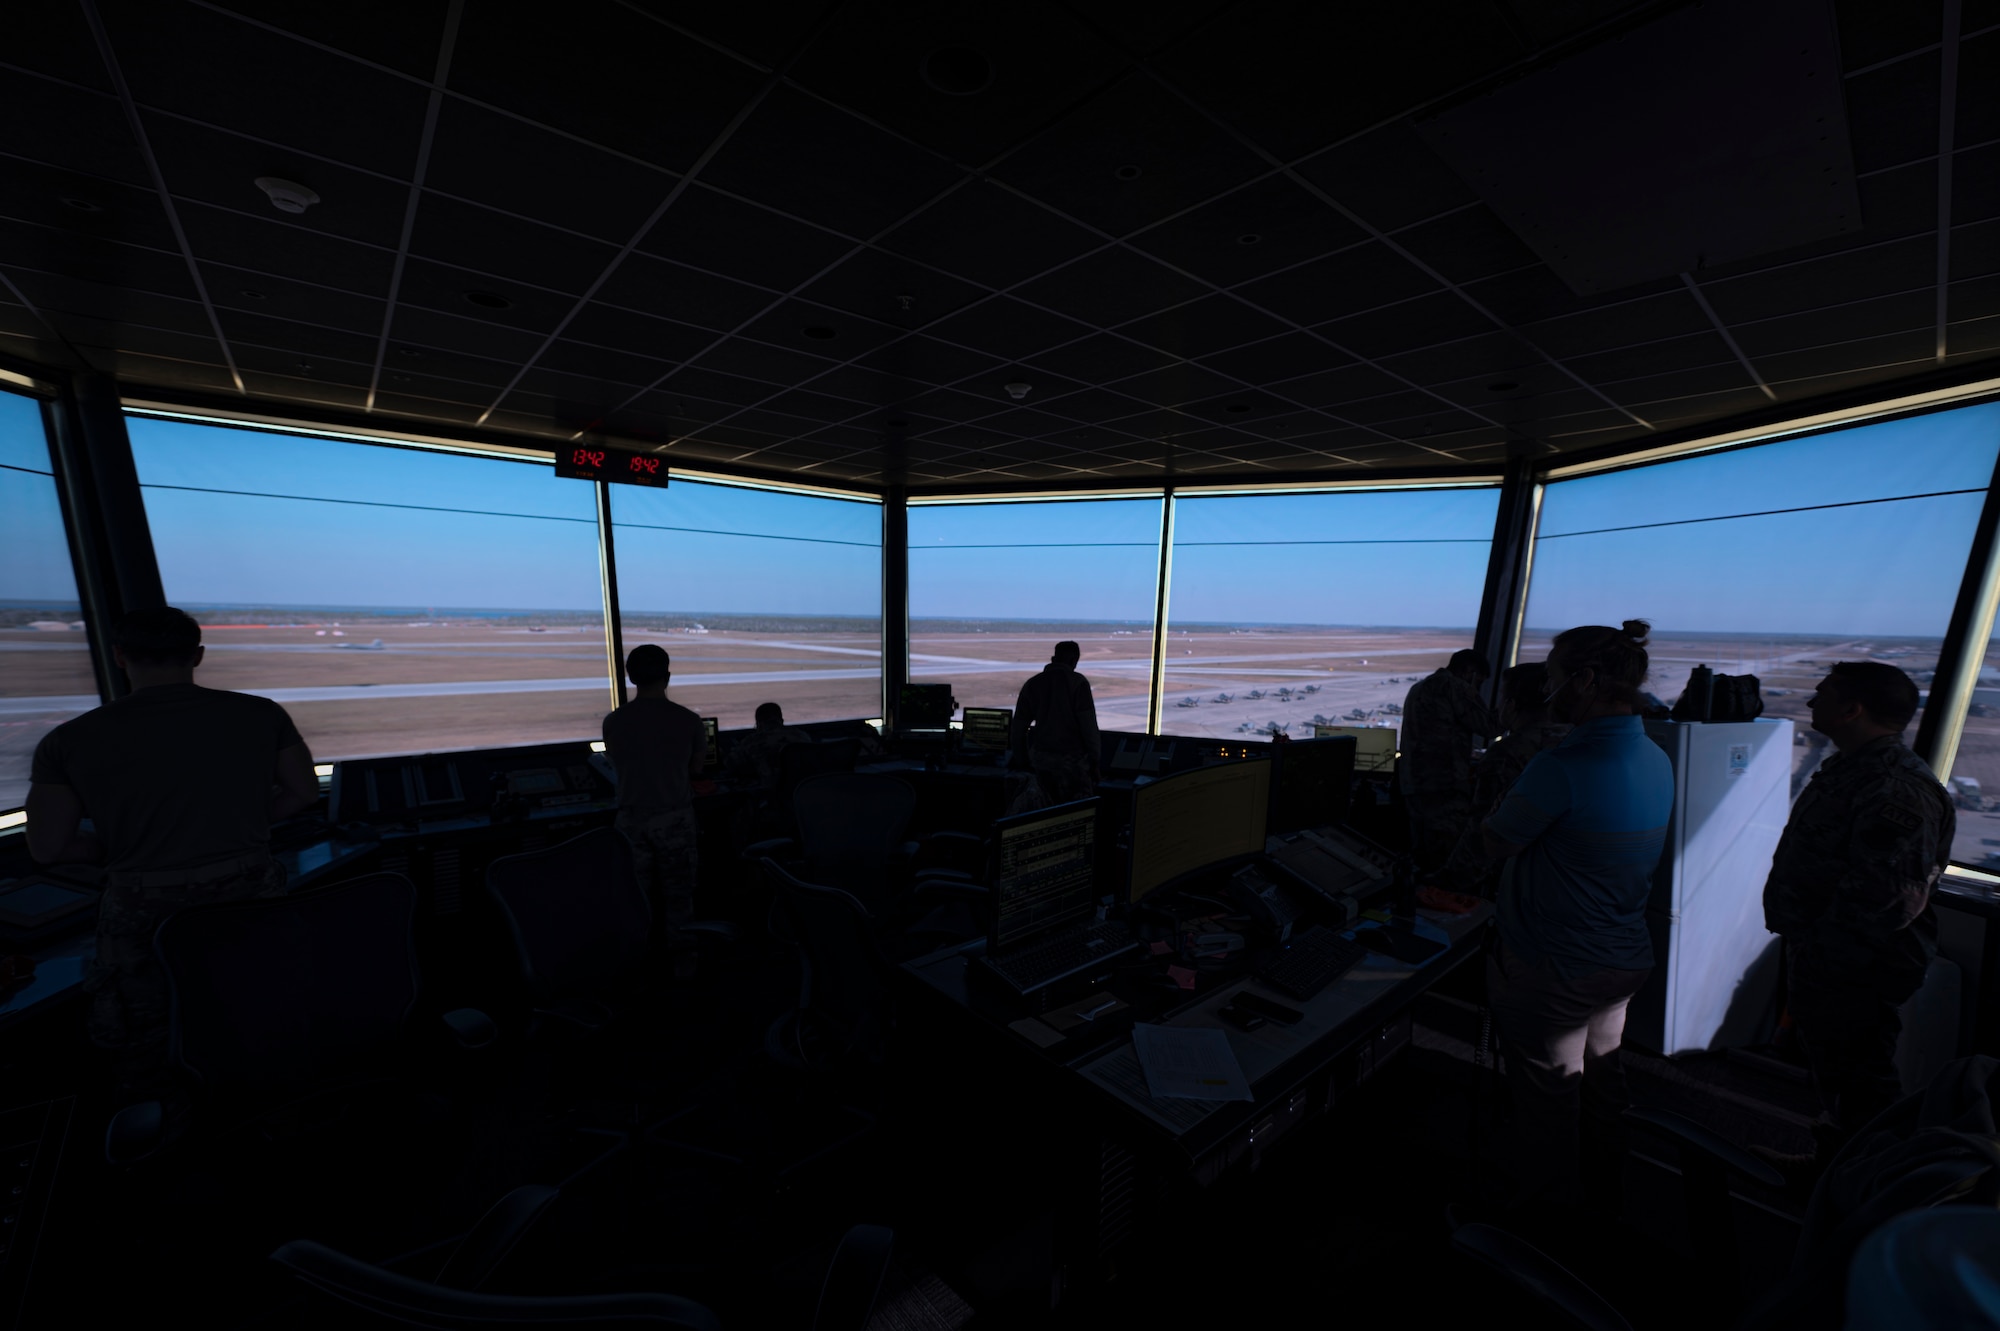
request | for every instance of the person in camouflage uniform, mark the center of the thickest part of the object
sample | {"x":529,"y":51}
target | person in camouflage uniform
{"x":181,"y":784}
{"x":1850,"y":889}
{"x":1443,"y":719}
{"x":658,"y":748}
{"x":1061,"y":749}
{"x":1524,"y":716}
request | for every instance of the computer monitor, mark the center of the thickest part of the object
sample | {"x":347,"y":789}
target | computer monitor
{"x":1193,"y":819}
{"x":1045,"y":872}
{"x":1374,"y":746}
{"x":923,"y":707}
{"x":712,"y":754}
{"x":987,"y":728}
{"x":1311,"y":786}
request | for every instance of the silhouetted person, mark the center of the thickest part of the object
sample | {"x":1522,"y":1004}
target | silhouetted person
{"x":181,"y":785}
{"x":754,"y":757}
{"x":1443,"y":721}
{"x":1524,"y":717}
{"x":1850,"y":889}
{"x":1583,"y":828}
{"x":1061,"y":747}
{"x":658,"y":748}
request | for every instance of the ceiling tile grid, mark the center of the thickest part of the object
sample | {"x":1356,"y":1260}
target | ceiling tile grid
{"x":831,"y":244}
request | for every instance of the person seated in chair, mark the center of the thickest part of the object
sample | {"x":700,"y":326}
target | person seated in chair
{"x":753,"y":759}
{"x":181,"y":784}
{"x":658,"y":748}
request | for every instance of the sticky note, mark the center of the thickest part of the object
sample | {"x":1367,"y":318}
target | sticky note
{"x":1181,"y":976}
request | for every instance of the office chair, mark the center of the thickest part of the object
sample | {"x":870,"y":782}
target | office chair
{"x":852,"y":835}
{"x":456,"y":1297}
{"x":1539,"y":1276}
{"x":835,"y":1038}
{"x":842,"y":1018}
{"x":579,"y":924}
{"x":1707,"y":1161}
{"x":798,"y":763}
{"x":281,"y":999}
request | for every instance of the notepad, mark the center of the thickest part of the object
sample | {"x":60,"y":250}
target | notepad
{"x":1189,"y":1063}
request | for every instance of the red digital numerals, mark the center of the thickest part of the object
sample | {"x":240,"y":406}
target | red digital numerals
{"x":645,"y":466}
{"x":587,"y":457}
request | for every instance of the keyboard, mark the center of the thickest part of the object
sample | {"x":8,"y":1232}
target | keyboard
{"x":1314,"y":960}
{"x":1043,"y":963}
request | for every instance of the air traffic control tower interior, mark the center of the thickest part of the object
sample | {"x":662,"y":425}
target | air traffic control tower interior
{"x":1106,"y":479}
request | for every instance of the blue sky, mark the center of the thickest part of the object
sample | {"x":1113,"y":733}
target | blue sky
{"x":1413,"y":558}
{"x":34,"y":551}
{"x":1882,"y":569}
{"x":783,"y":554}
{"x":1410,"y":558}
{"x":237,"y":548}
{"x":1093,"y":560}
{"x":1421,"y":560}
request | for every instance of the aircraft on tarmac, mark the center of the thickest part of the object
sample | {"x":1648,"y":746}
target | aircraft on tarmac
{"x":1224,"y":697}
{"x":375,"y":646}
{"x":1254,"y":693}
{"x":1188,"y":702}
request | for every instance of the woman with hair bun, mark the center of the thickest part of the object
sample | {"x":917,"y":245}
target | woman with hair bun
{"x":1581,"y":831}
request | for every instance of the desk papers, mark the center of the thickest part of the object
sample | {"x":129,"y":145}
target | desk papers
{"x":1189,"y":1063}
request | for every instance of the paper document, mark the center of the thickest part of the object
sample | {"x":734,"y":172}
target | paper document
{"x":1189,"y":1062}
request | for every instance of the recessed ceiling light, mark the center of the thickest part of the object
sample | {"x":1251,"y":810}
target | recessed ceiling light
{"x":957,"y":71}
{"x":83,"y":205}
{"x":1249,"y":238}
{"x":1129,"y":171}
{"x":819,"y":332}
{"x":1502,"y":386}
{"x":249,"y":294}
{"x":488,"y":300}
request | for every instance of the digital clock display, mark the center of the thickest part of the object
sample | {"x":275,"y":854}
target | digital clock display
{"x":596,"y":462}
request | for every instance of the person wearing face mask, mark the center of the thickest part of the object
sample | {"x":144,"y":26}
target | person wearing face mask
{"x":1581,"y":832}
{"x":1850,"y":892}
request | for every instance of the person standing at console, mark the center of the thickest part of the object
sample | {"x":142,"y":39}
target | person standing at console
{"x":1443,"y":721}
{"x":1062,"y":747}
{"x":181,"y":785}
{"x":657,"y":748}
{"x":1583,"y":828}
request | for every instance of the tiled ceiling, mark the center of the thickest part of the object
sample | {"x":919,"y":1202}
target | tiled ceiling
{"x":821,"y":240}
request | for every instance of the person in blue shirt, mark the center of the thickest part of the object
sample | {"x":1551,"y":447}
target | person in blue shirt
{"x":1581,"y":831}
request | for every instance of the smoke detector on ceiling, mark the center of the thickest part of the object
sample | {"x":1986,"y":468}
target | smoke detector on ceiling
{"x":287,"y":196}
{"x":1017,"y":391}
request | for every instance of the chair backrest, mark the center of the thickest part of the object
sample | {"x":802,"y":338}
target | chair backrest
{"x":843,"y":995}
{"x":420,"y":1303}
{"x":850,"y":827}
{"x":801,"y":762}
{"x":1540,"y":1277}
{"x":281,"y":993}
{"x":576,"y":912}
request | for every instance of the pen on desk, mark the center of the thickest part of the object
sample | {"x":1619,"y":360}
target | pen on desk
{"x":1099,"y":1010}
